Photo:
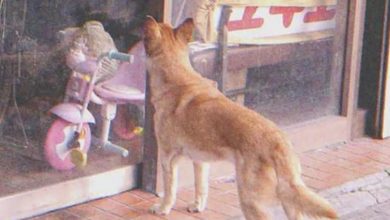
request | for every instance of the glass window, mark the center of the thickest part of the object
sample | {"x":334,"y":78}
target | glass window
{"x":280,"y":55}
{"x":42,"y":67}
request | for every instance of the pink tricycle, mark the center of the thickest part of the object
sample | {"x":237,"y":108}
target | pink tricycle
{"x":69,"y":137}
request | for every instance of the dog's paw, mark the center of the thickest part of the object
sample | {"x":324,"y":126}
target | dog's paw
{"x":196,"y":207}
{"x":159,"y":209}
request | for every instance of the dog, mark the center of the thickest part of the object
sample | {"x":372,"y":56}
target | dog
{"x":194,"y":119}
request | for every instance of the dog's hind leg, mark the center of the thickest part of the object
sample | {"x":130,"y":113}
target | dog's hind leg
{"x":201,"y":172}
{"x":256,"y":186}
{"x":169,"y":167}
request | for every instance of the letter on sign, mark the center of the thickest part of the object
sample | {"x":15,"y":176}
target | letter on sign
{"x":247,"y":22}
{"x":287,"y":12}
{"x":320,"y":14}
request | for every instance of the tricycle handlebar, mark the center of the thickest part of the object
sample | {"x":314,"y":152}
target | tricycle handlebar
{"x":118,"y":56}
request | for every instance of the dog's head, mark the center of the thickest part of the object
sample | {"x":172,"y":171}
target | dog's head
{"x":162,"y":38}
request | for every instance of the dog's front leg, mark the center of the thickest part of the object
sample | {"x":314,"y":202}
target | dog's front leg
{"x":201,"y":172}
{"x":169,"y":168}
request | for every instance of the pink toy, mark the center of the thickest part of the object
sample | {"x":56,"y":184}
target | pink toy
{"x":69,"y":137}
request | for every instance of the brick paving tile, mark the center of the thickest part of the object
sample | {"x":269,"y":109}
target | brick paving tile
{"x":176,"y":215}
{"x":148,"y":217}
{"x":385,"y":144}
{"x":215,"y":191}
{"x":227,"y":198}
{"x":224,"y":186}
{"x":106,"y":204}
{"x":186,"y":195}
{"x":314,"y":183}
{"x":128,"y":198}
{"x":315,"y":174}
{"x":339,"y":179}
{"x":114,"y":207}
{"x":154,"y":199}
{"x":383,"y":149}
{"x":377,"y":165}
{"x":355,"y":149}
{"x":380,"y":146}
{"x":374,"y":153}
{"x":333,"y":169}
{"x":102,"y":216}
{"x":125,"y":212}
{"x":308,"y":160}
{"x":210,"y":214}
{"x":321,"y":155}
{"x":364,"y":170}
{"x":142,"y":194}
{"x":84,"y":210}
{"x":384,"y":141}
{"x":181,"y":206}
{"x":143,"y":207}
{"x":379,"y":157}
{"x":349,"y":156}
{"x":344,"y":163}
{"x":223,"y":208}
{"x":339,"y":163}
{"x":59,"y":215}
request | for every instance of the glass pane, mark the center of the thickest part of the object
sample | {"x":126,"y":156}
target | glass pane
{"x":283,"y":60}
{"x":36,"y":75}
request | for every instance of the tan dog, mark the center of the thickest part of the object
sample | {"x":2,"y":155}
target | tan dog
{"x":194,"y":119}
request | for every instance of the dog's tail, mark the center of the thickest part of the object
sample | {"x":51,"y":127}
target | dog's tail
{"x":292,"y":191}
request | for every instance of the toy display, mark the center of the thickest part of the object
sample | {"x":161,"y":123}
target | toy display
{"x":100,"y":75}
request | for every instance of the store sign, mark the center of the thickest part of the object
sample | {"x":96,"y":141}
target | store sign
{"x":278,"y":24}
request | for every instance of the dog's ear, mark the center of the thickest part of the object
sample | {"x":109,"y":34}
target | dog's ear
{"x":151,"y":28}
{"x":185,"y":30}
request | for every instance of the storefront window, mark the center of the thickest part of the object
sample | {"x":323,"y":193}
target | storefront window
{"x":280,"y":55}
{"x":283,"y":59}
{"x":37,"y":73}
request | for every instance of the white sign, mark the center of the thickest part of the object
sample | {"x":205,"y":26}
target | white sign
{"x":278,"y":24}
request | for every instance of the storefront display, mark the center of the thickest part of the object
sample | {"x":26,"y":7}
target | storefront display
{"x":50,"y":53}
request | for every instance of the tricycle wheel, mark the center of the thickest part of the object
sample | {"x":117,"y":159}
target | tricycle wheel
{"x":59,"y":136}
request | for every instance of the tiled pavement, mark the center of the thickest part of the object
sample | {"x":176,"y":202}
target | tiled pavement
{"x":352,"y":176}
